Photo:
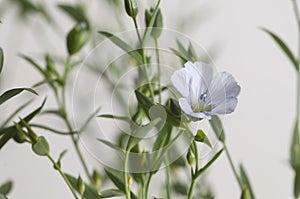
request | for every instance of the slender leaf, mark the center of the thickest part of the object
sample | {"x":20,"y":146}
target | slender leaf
{"x":36,"y":66}
{"x":13,"y":92}
{"x":1,"y":59}
{"x":218,"y":128}
{"x":283,"y":47}
{"x":295,"y":149}
{"x":10,"y":117}
{"x":141,"y":132}
{"x":109,"y":116}
{"x":124,"y":46}
{"x":75,"y":12}
{"x":245,"y":181}
{"x":209,"y":163}
{"x":6,"y":187}
{"x":111,"y":193}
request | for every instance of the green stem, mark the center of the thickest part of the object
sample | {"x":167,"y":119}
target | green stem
{"x":158,"y":68}
{"x":63,"y":176}
{"x":126,"y":185}
{"x":66,"y":120}
{"x":191,"y":189}
{"x":232,"y":166}
{"x":147,"y":185}
{"x":137,"y":30}
{"x":168,"y":179}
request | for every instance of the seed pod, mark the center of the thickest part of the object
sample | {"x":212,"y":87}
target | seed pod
{"x":77,"y":38}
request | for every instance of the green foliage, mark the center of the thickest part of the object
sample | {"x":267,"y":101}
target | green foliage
{"x":41,"y":146}
{"x":218,"y":128}
{"x":76,"y":13}
{"x":158,"y":22}
{"x":6,"y":187}
{"x":1,"y":59}
{"x":13,"y":92}
{"x":246,"y":184}
{"x":201,"y":137}
{"x":283,"y":47}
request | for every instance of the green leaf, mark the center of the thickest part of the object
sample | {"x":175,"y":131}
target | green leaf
{"x":182,"y":56}
{"x":111,"y":145}
{"x":90,"y":192}
{"x":192,"y":53}
{"x":295,"y":149}
{"x":180,"y":188}
{"x":245,"y":181}
{"x":283,"y":47}
{"x":41,"y":146}
{"x":11,"y":131}
{"x":209,"y":163}
{"x":217,"y":126}
{"x":139,"y":133}
{"x":36,"y":66}
{"x":201,"y":137}
{"x":2,"y":196}
{"x":13,"y":92}
{"x":10,"y":117}
{"x":109,"y":193}
{"x":1,"y":59}
{"x":158,"y":22}
{"x":116,"y":177}
{"x":123,"y":45}
{"x":6,"y":187}
{"x":75,"y":12}
{"x":109,"y":116}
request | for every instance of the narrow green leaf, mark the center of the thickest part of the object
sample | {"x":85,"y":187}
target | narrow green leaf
{"x":182,"y":56}
{"x":10,"y":117}
{"x":111,"y":145}
{"x":140,"y":133}
{"x":283,"y":47}
{"x":209,"y":163}
{"x":2,"y":196}
{"x":245,"y":181}
{"x":1,"y":59}
{"x":109,"y":116}
{"x":36,"y":66}
{"x":123,"y":45}
{"x":116,"y":177}
{"x":6,"y":187}
{"x":109,"y":193}
{"x":217,"y":126}
{"x":75,"y":12}
{"x":13,"y":92}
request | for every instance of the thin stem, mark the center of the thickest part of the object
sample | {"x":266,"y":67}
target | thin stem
{"x":191,"y":189}
{"x":137,"y":30}
{"x":232,"y":166}
{"x":69,"y":126}
{"x":147,"y":75}
{"x":147,"y":185}
{"x":168,"y":179}
{"x":126,"y":185}
{"x":196,"y":155}
{"x":158,"y":68}
{"x":63,"y":176}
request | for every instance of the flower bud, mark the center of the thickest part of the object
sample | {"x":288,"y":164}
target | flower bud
{"x":131,"y":8}
{"x":80,"y":186}
{"x":190,"y":157}
{"x":158,"y":22}
{"x":77,"y":38}
{"x":21,"y":136}
{"x":97,"y":179}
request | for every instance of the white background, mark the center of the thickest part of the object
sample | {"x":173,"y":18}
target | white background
{"x":258,"y":132}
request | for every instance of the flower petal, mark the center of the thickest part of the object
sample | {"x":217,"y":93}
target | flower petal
{"x":232,"y":88}
{"x":186,"y":107}
{"x":228,"y":106}
{"x":180,"y":79}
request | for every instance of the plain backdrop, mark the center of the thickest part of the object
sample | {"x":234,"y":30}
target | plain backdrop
{"x":258,"y":132}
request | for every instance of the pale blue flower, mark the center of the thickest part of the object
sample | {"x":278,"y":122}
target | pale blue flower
{"x":204,"y":91}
